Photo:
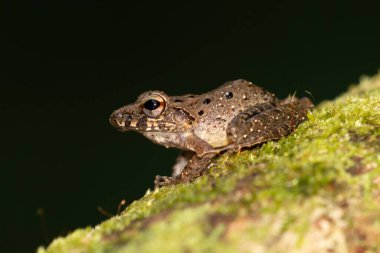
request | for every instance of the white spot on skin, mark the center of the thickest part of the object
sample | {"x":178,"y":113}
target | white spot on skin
{"x":251,"y":129}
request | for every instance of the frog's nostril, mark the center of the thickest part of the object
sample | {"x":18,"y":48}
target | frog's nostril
{"x":116,"y":120}
{"x":121,"y":121}
{"x":127,"y":120}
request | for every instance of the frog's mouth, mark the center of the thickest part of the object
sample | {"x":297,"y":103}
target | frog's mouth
{"x":122,"y":122}
{"x":125,"y":122}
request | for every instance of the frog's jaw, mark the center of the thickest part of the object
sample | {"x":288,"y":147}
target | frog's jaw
{"x":124,"y":122}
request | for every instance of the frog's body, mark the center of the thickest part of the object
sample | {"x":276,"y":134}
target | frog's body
{"x":238,"y":114}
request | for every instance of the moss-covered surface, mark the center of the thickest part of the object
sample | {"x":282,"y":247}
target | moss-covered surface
{"x":317,"y":190}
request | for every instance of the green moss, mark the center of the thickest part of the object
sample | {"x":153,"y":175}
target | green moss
{"x":276,"y":198}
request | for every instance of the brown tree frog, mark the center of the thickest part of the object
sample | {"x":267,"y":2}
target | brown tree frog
{"x":236,"y":115}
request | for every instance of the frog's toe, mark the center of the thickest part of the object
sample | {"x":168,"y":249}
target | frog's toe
{"x":160,"y":181}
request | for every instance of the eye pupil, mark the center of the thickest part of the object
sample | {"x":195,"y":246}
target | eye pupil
{"x":151,"y":104}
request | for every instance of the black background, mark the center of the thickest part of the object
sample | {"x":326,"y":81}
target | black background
{"x":66,"y":67}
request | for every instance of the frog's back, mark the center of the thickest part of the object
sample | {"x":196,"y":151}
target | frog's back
{"x":215,"y":109}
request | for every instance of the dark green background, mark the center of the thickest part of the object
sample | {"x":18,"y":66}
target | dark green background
{"x":66,"y":67}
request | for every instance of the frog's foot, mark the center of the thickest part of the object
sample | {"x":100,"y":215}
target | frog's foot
{"x":194,"y":168}
{"x":161,"y":181}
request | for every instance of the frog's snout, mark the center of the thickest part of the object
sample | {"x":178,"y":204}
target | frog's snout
{"x":120,"y":121}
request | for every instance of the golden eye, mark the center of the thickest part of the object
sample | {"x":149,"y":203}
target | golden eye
{"x":154,"y":105}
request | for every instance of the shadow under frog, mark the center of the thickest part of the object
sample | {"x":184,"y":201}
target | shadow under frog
{"x":236,"y":115}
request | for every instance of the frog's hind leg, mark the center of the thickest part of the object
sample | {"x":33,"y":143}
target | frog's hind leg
{"x":267,"y":121}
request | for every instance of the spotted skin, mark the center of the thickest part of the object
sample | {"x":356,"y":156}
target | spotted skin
{"x":236,"y":115}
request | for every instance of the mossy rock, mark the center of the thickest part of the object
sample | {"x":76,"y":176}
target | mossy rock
{"x":317,"y":190}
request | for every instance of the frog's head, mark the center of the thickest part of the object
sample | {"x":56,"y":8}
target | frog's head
{"x":153,"y":112}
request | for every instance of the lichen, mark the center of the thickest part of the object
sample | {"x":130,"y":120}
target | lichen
{"x":313,"y":191}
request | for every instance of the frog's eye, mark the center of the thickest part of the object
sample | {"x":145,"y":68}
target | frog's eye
{"x":154,"y":105}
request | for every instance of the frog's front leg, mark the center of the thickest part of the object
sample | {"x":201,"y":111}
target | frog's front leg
{"x":193,"y":169}
{"x":181,"y":161}
{"x":267,"y":121}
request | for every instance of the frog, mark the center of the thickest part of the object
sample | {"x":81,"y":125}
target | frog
{"x":237,"y":115}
